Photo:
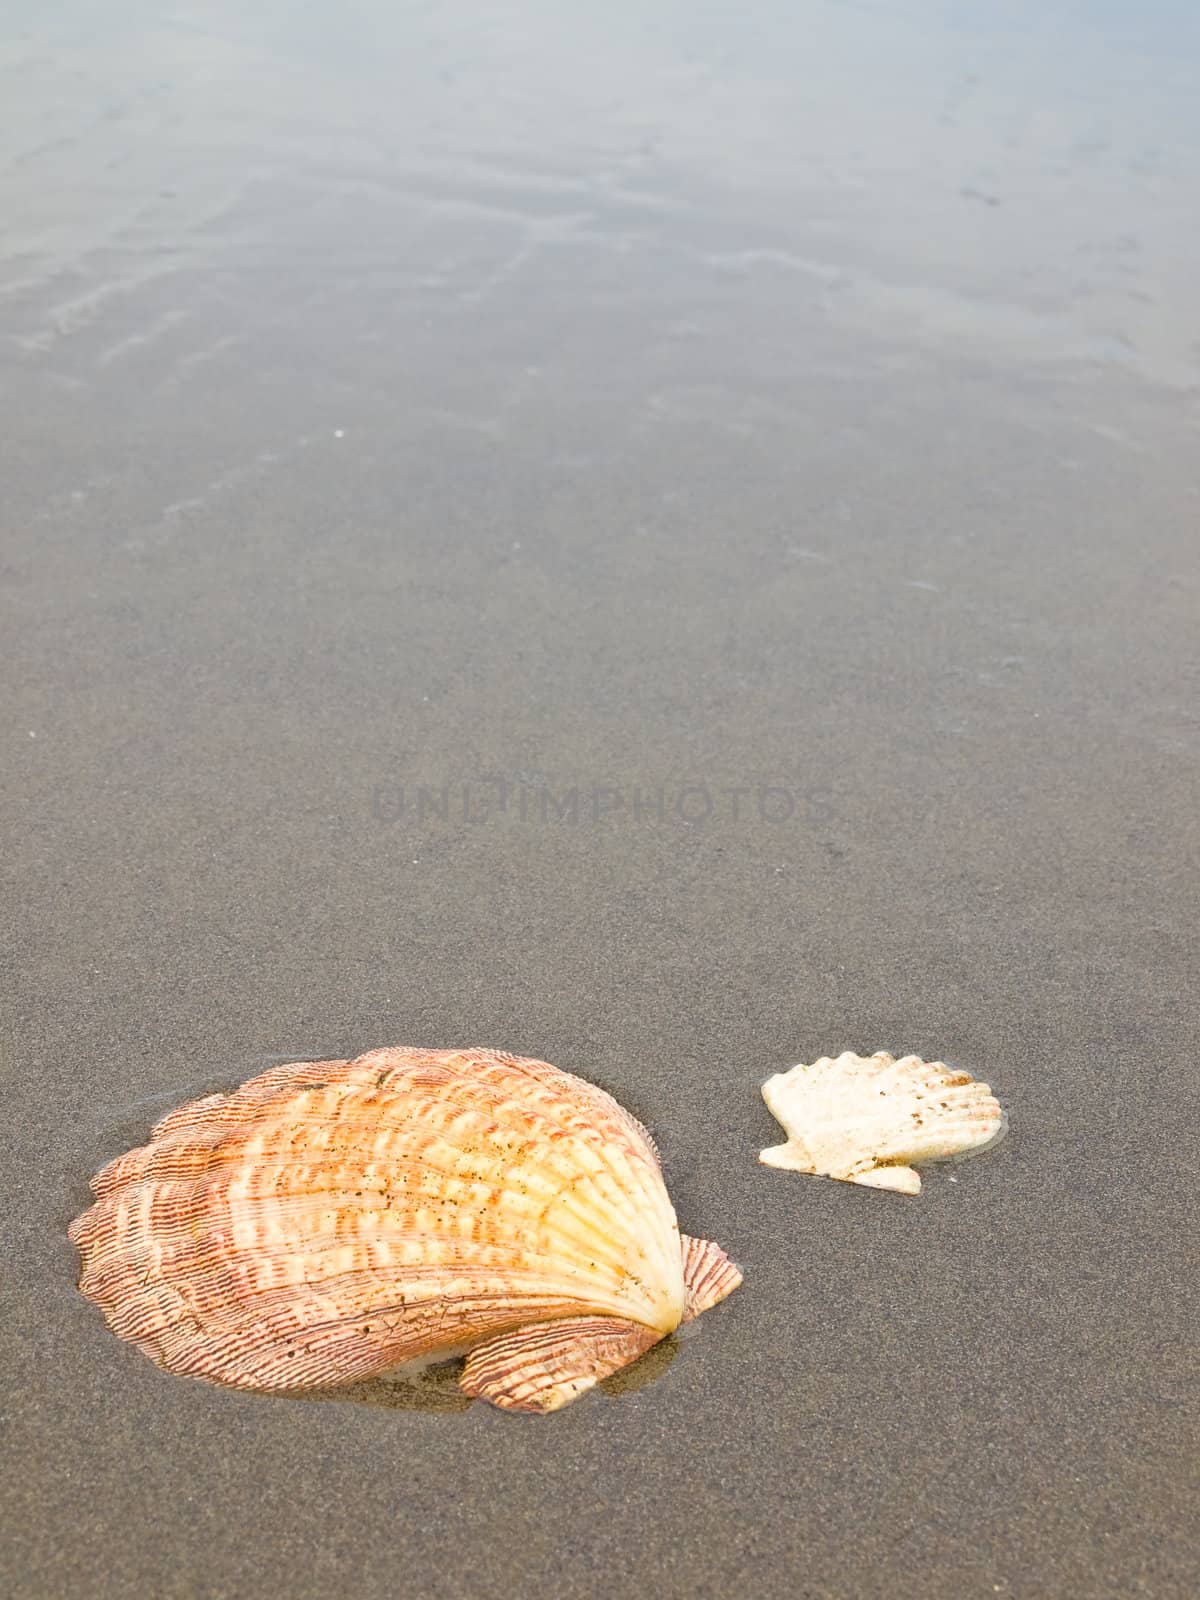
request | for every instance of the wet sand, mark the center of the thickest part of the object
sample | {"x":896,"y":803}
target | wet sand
{"x":795,"y":416}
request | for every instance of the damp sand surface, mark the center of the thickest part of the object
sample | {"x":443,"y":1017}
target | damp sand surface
{"x":665,"y":541}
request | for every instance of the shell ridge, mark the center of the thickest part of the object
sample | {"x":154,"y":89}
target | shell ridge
{"x":609,"y":1191}
{"x":571,"y":1222}
{"x":542,"y":1367}
{"x":225,"y":1137}
{"x":542,"y":1072}
{"x":646,"y":1176}
{"x":708,"y":1274}
{"x":297,"y":1356}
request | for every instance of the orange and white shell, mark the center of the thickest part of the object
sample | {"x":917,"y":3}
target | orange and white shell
{"x":331,"y":1220}
{"x":869,"y":1119}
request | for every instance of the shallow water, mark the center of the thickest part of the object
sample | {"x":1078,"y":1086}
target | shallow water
{"x":663,"y":538}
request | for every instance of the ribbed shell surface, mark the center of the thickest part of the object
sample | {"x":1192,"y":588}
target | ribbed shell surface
{"x":329,"y":1220}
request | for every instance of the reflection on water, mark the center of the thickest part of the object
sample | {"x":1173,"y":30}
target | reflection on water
{"x":1014,"y":188}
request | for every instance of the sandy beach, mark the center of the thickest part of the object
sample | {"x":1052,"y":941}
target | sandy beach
{"x":666,"y":541}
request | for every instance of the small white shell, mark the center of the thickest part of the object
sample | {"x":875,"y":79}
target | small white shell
{"x":864,"y":1119}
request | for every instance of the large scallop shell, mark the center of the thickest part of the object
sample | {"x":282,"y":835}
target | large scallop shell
{"x":330,"y":1220}
{"x":865,"y":1119}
